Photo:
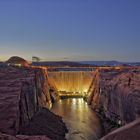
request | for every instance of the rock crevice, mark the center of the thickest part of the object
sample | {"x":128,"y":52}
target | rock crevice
{"x":23,"y":93}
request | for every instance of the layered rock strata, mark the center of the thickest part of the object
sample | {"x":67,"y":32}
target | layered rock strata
{"x":116,"y":95}
{"x":23,"y":93}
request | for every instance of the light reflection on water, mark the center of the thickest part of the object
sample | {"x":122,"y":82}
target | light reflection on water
{"x":82,"y":122}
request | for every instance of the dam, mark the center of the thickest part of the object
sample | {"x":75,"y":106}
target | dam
{"x":69,"y":82}
{"x":81,"y":121}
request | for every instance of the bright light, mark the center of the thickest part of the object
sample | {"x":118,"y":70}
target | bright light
{"x":69,"y":82}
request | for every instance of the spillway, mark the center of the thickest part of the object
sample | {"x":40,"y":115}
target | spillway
{"x":77,"y":82}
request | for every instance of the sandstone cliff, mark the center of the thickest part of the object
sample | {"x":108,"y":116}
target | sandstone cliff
{"x":23,"y":93}
{"x":116,"y":94}
{"x":121,"y":96}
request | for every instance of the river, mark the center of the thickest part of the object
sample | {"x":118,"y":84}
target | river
{"x":80,"y":119}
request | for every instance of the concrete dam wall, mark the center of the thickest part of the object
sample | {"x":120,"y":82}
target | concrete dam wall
{"x":70,"y":81}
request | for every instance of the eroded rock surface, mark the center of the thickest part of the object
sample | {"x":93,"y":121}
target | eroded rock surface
{"x":119,"y":94}
{"x":116,"y":95}
{"x":127,"y":132}
{"x":46,"y":123}
{"x":23,"y":94}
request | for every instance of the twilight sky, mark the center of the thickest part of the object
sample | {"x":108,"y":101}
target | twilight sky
{"x":70,"y":29}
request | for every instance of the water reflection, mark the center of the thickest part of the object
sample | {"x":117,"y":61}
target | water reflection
{"x":82,"y":122}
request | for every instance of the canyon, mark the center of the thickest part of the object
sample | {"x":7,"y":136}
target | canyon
{"x":27,"y":95}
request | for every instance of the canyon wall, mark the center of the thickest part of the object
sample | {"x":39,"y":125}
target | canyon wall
{"x":24,"y":106}
{"x":34,"y":94}
{"x":93,"y":93}
{"x":22,"y":93}
{"x":116,"y":94}
{"x":120,"y":91}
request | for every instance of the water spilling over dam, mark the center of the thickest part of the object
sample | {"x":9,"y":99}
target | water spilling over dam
{"x":74,"y":82}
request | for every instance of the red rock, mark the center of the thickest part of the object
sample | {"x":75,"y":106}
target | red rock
{"x":127,"y":132}
{"x":23,"y":91}
{"x":15,"y":60}
{"x":119,"y":94}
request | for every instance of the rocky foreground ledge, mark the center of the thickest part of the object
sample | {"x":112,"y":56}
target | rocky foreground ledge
{"x":130,"y":131}
{"x":24,"y":99}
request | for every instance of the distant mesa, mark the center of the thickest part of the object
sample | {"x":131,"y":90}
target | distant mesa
{"x":17,"y":61}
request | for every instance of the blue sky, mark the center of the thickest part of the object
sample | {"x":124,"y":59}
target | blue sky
{"x":70,"y":29}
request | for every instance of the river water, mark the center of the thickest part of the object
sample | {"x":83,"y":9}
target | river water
{"x":80,"y":119}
